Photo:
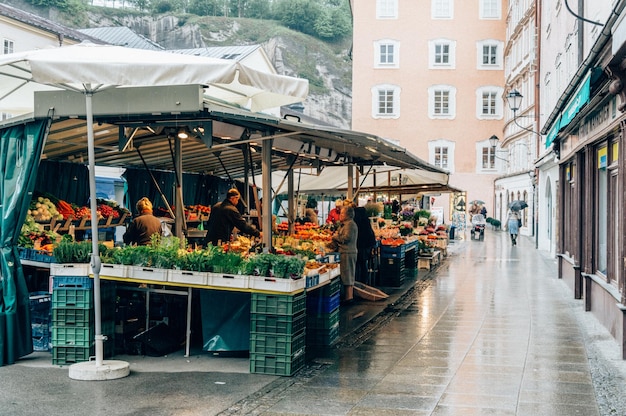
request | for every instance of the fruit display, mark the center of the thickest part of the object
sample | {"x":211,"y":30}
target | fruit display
{"x":43,"y":210}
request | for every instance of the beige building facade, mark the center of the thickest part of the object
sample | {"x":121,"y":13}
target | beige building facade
{"x":429,"y":75}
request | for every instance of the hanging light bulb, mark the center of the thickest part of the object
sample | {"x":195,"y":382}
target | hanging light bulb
{"x":182,"y":134}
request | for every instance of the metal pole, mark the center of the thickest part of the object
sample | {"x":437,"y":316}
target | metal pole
{"x":188,"y":329}
{"x":95,"y":254}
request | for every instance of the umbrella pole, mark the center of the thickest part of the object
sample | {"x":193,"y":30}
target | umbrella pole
{"x":95,"y":253}
{"x":112,"y":369}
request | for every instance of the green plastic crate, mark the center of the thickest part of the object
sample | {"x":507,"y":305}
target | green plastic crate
{"x":322,"y":321}
{"x":72,"y":317}
{"x":277,"y":324}
{"x":278,"y":304}
{"x":63,"y":336}
{"x":71,"y":355}
{"x":66,"y":336}
{"x":276,"y":344}
{"x":72,"y":298}
{"x":278,"y":365}
{"x":322,"y":337}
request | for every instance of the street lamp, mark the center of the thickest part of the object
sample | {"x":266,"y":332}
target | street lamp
{"x":514,"y":99}
{"x":493,"y":141}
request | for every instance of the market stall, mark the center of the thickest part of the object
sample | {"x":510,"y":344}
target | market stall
{"x":222,"y":140}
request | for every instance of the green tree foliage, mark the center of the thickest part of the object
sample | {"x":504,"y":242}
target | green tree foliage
{"x":326,"y":19}
{"x":70,"y":6}
{"x":206,"y":7}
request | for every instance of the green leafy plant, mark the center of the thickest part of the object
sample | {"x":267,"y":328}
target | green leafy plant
{"x":196,"y":260}
{"x":226,"y":262}
{"x":422,"y":213}
{"x":76,"y":252}
{"x":373,"y":209}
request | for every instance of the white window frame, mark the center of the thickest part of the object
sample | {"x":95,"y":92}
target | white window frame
{"x":8,"y":46}
{"x":480,"y":54}
{"x":432,"y":95}
{"x":432,"y":54}
{"x":442,"y":9}
{"x":492,"y":154}
{"x":433,"y":145}
{"x":386,"y":9}
{"x":378,"y":54}
{"x":498,"y":104}
{"x":490,"y":10}
{"x":376,"y":90}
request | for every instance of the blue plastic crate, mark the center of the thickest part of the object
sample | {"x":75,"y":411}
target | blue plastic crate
{"x":40,"y":305}
{"x":72,"y":282}
{"x":394,"y":252}
{"x":316,"y":305}
{"x":312,"y":281}
{"x":41,"y":337}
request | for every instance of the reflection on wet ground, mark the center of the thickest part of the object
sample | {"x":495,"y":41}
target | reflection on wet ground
{"x":489,"y":332}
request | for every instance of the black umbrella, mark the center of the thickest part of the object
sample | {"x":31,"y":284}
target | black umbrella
{"x":518,"y":205}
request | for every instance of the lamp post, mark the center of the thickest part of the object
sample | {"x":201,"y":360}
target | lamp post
{"x":514,"y":99}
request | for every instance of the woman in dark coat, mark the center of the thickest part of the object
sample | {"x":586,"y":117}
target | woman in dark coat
{"x":366,"y":241}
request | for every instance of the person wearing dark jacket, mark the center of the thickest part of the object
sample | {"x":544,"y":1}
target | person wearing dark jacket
{"x":365,"y":242}
{"x":224,"y":217}
{"x":141,"y":229}
{"x":345,"y":238}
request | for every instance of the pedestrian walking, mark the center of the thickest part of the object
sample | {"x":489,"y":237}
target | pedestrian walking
{"x":513,"y":225}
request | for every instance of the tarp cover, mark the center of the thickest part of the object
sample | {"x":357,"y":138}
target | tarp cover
{"x":20,"y":153}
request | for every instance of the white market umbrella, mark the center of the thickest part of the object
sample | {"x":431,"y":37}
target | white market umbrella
{"x":88,"y":68}
{"x":105,"y":66}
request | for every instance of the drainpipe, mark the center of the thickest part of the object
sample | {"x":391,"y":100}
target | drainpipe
{"x":535,"y":178}
{"x":580,"y":27}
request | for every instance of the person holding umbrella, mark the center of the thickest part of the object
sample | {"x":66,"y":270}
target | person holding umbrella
{"x":513,"y":225}
{"x":514,"y":220}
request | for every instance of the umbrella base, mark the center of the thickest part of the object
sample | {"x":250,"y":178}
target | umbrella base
{"x":109,"y":370}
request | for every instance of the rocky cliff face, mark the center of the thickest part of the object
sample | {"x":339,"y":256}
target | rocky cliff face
{"x":331,"y":99}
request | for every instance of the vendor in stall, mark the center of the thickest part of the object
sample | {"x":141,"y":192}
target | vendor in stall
{"x":224,"y":217}
{"x":142,"y":228}
{"x":333,"y":214}
{"x":346,"y":239}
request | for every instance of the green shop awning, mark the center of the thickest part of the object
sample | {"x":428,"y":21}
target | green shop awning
{"x":578,"y":101}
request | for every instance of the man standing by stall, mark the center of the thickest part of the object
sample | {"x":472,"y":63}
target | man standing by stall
{"x":224,"y":217}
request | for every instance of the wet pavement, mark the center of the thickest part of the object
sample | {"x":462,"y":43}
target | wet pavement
{"x":490,"y":331}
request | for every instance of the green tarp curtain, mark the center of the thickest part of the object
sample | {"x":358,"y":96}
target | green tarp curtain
{"x":197,"y":189}
{"x":20,"y":152}
{"x":65,"y":180}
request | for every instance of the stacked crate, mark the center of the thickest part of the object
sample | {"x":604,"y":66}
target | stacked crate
{"x":73,"y":322}
{"x":41,"y":320}
{"x":322,"y":311}
{"x":277,"y":333}
{"x":411,"y":254}
{"x":392,"y":270}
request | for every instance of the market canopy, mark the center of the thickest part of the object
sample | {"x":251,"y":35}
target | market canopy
{"x":131,"y":124}
{"x":381,"y":179}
